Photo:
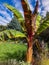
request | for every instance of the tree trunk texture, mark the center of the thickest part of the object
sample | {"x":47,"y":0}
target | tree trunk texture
{"x":30,"y":20}
{"x":30,"y":58}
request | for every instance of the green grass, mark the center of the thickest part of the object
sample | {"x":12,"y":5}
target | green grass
{"x":9,"y":50}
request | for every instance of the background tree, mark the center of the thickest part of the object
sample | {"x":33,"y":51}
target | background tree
{"x":14,"y":24}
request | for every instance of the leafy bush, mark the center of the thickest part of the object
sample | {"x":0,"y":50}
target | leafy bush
{"x":12,"y":51}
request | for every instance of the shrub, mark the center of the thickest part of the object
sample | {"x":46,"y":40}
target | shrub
{"x":12,"y":51}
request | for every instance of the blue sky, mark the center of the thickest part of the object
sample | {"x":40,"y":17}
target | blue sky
{"x":6,"y":15}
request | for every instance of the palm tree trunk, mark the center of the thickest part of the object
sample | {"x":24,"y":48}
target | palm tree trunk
{"x":30,"y":58}
{"x":30,"y":20}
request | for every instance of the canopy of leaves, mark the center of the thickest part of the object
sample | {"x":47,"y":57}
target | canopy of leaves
{"x":40,"y":26}
{"x":44,"y":34}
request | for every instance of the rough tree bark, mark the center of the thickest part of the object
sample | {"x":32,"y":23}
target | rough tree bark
{"x":30,"y":20}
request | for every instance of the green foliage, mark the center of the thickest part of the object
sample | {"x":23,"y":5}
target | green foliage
{"x":11,"y":34}
{"x":16,"y":12}
{"x":39,"y":27}
{"x":43,"y":26}
{"x":38,"y":21}
{"x":17,"y":33}
{"x":2,"y":27}
{"x":12,"y":51}
{"x":14,"y":24}
{"x":47,"y":15}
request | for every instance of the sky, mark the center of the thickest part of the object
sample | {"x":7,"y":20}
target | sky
{"x":6,"y":15}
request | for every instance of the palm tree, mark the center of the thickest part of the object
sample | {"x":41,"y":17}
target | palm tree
{"x":30,"y":25}
{"x":30,"y":20}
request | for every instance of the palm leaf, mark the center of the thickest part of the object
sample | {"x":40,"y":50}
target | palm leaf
{"x":38,"y":21}
{"x":17,"y":33}
{"x":15,"y":12}
{"x":44,"y":25}
{"x":12,"y":34}
{"x":7,"y":33}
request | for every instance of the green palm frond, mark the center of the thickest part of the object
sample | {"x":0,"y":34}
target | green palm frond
{"x":38,"y":21}
{"x":12,"y":34}
{"x":15,"y":12}
{"x":17,"y":33}
{"x":44,"y":25}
